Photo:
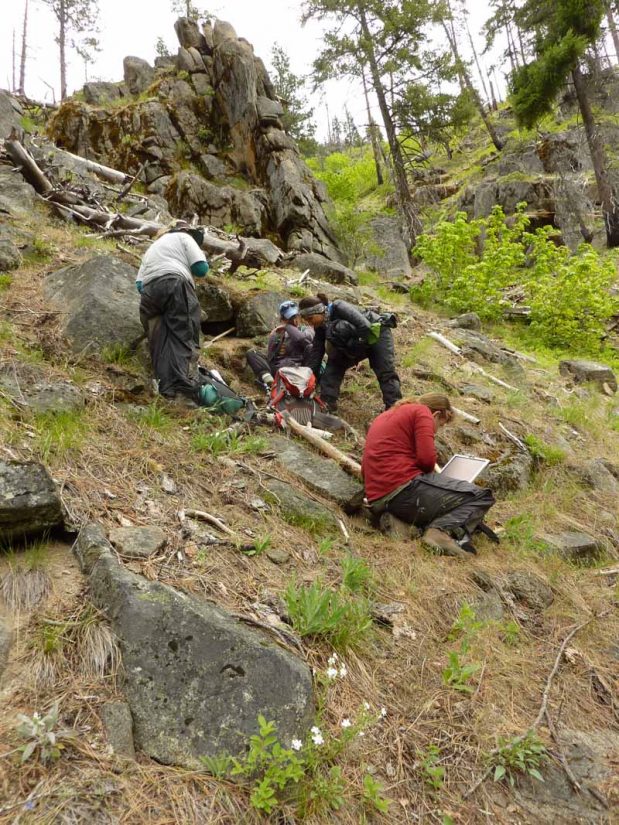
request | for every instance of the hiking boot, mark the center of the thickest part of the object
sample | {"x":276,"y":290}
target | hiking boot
{"x":330,"y":406}
{"x":438,"y":540}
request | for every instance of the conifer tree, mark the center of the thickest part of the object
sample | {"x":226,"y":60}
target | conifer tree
{"x":74,"y":17}
{"x":563,"y":31}
{"x":289,"y":87}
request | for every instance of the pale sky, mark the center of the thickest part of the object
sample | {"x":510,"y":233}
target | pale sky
{"x":133,"y":26}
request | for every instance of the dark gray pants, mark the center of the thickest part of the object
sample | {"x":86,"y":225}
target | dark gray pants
{"x":433,"y":500}
{"x":258,"y":364}
{"x":170,"y":315}
{"x":381,"y":356}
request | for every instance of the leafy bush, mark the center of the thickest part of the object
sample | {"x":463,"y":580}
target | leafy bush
{"x":42,"y":738}
{"x":338,"y":617}
{"x":569,"y":293}
{"x":523,"y":754}
{"x":543,"y":452}
{"x":356,"y":575}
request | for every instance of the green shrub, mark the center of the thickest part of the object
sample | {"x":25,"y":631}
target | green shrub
{"x":356,"y":575}
{"x":569,"y":293}
{"x":544,"y":452}
{"x":521,"y":755}
{"x":339,"y":618}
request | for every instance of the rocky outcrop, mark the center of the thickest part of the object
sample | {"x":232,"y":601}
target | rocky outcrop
{"x":319,"y":267}
{"x":388,"y":253}
{"x":195,"y":677}
{"x":212,"y":115}
{"x":32,"y":388}
{"x":10,"y":256}
{"x":11,"y":113}
{"x":99,"y":303}
{"x":29,"y":501}
{"x":256,"y":314}
{"x":589,"y":372}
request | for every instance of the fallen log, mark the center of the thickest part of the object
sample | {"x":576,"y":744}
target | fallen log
{"x":22,"y":158}
{"x":105,"y":172}
{"x":346,"y":462}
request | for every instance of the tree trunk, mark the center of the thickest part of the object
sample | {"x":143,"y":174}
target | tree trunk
{"x":510,"y":52}
{"x":606,"y":195}
{"x":479,"y":71}
{"x":404,"y":196}
{"x":465,"y":79}
{"x":13,"y":87}
{"x":372,"y":127}
{"x":613,"y":28}
{"x":495,"y":105}
{"x":22,"y":62}
{"x":512,"y":46}
{"x":62,"y":42}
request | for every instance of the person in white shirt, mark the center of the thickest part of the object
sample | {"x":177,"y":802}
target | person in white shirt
{"x":170,"y":311}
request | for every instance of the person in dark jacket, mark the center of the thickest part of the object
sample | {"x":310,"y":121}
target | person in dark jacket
{"x":350,"y":335}
{"x":288,"y":346}
{"x":170,"y":311}
{"x":399,"y":475}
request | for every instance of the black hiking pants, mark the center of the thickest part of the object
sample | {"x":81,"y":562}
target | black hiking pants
{"x":170,"y":315}
{"x":381,"y":356}
{"x":258,"y":364}
{"x":432,"y":500}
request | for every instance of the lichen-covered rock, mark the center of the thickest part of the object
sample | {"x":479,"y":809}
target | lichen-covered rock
{"x":138,"y":542}
{"x":11,"y":112}
{"x":529,"y":589}
{"x":99,"y":92}
{"x":589,"y":371}
{"x":510,"y":473}
{"x":323,"y":268}
{"x":298,"y":509}
{"x":98,"y":302}
{"x":6,"y":640}
{"x":118,"y":726}
{"x":390,"y":255}
{"x":258,"y":314}
{"x":29,"y":500}
{"x":189,"y":34}
{"x":195,"y":677}
{"x":574,"y":546}
{"x":215,"y":302}
{"x":139,"y":74}
{"x":470,"y":320}
{"x":10,"y":256}
{"x":322,"y":475}
{"x":32,"y":388}
{"x":16,"y":196}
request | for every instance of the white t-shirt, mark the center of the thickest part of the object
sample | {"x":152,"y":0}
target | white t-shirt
{"x":172,"y":254}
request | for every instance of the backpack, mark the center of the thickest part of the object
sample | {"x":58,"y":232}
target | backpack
{"x":217,"y":395}
{"x":294,"y":391}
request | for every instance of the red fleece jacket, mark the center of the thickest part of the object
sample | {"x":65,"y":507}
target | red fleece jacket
{"x":399,"y":446}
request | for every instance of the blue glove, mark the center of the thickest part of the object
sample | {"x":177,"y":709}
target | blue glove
{"x":139,"y":286}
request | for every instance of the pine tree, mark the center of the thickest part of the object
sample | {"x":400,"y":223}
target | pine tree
{"x":77,"y":17}
{"x":563,"y":31}
{"x":289,"y":87}
{"x":21,"y":89}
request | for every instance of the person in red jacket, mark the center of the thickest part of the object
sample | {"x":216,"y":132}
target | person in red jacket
{"x":399,"y":462}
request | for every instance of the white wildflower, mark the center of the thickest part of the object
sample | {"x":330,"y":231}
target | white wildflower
{"x":332,"y":659}
{"x":331,"y":672}
{"x":317,"y":737}
{"x":383,"y":712}
{"x":314,"y":729}
{"x":361,"y":733}
{"x":346,"y":723}
{"x":343,"y":672}
{"x":296,"y":744}
{"x":366,"y":706}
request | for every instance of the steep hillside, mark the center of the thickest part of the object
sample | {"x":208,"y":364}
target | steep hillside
{"x":192,"y":574}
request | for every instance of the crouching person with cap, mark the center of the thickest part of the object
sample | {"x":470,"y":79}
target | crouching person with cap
{"x":399,"y":461}
{"x":170,"y":311}
{"x":288,"y":346}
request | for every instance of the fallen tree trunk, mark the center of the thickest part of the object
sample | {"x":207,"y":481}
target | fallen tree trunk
{"x":105,"y":172}
{"x":346,"y":462}
{"x":22,"y":158}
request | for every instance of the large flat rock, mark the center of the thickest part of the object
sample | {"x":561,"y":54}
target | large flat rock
{"x":298,"y":509}
{"x":575,"y":546}
{"x":99,"y":303}
{"x":320,"y":474}
{"x":195,"y":677}
{"x":32,"y":388}
{"x":29,"y":500}
{"x":589,"y":371}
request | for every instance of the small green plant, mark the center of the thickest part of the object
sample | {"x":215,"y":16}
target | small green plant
{"x":356,"y":575}
{"x":275,"y":766}
{"x":511,"y":633}
{"x":466,"y":623}
{"x":258,"y":547}
{"x":340,"y":618}
{"x":42,"y":250}
{"x":153,"y":416}
{"x":433,"y":772}
{"x":5,"y":281}
{"x":42,"y":738}
{"x":223,"y":442}
{"x":458,"y":674}
{"x":59,"y":432}
{"x":373,"y":795}
{"x":326,"y":546}
{"x":543,"y":452}
{"x":218,"y":766}
{"x":520,"y":531}
{"x":297,"y":291}
{"x":118,"y":353}
{"x":520,"y":755}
